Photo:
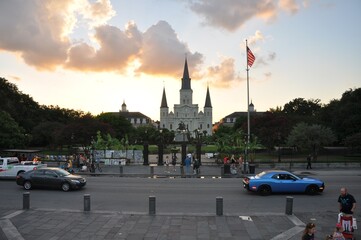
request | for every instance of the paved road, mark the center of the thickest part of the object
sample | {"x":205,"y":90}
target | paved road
{"x":120,"y":210}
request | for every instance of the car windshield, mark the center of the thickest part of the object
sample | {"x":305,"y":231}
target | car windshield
{"x":62,"y":172}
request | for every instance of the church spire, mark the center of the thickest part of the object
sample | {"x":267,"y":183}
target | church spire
{"x":164,"y":100}
{"x":186,"y":81}
{"x":208,"y":99}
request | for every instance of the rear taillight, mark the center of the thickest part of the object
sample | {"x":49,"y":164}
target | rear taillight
{"x":246,"y":180}
{"x":34,"y":168}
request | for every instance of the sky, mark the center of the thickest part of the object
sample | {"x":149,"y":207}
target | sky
{"x":93,"y":55}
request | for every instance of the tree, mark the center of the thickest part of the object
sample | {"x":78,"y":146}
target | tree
{"x":344,"y":115}
{"x":302,"y":107}
{"x":120,"y":125}
{"x":271,"y":128}
{"x":310,"y":137}
{"x":11,"y":134}
{"x":44,"y":134}
{"x":81,"y":131}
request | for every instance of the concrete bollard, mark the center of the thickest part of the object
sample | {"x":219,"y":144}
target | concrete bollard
{"x":26,"y":200}
{"x":219,"y":206}
{"x":152,"y":205}
{"x":289,"y":205}
{"x":121,"y":170}
{"x":86,"y":202}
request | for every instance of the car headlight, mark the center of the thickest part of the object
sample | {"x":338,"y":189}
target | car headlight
{"x":75,"y":181}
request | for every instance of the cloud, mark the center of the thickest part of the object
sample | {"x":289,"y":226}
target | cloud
{"x":232,"y":15}
{"x":163,"y":53}
{"x":258,"y":36}
{"x":34,"y":31}
{"x":40,"y":33}
{"x":39,"y":30}
{"x":117,"y":49}
{"x":224,"y":75}
{"x":289,"y":6}
{"x":16,"y":78}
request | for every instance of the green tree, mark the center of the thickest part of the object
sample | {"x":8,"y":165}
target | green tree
{"x":344,"y":115}
{"x":310,"y":137}
{"x":81,"y":131}
{"x":120,"y":125}
{"x":44,"y":134}
{"x":302,"y":107}
{"x":11,"y":134}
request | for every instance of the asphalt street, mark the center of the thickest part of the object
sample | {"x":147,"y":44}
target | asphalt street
{"x":186,"y":204}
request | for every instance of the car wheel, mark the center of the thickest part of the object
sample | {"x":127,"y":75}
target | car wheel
{"x":65,"y":187}
{"x":265,"y":190}
{"x":27,"y":185}
{"x":312,"y":190}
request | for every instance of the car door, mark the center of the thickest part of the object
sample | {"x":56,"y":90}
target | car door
{"x":36,"y":178}
{"x":51,"y":179}
{"x":276,"y":183}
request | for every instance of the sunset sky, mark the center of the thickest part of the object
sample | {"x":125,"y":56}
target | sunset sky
{"x":92,"y":55}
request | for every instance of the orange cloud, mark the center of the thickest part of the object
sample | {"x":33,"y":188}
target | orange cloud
{"x":163,"y":53}
{"x":289,"y":6}
{"x":224,"y":75}
{"x":117,"y":49}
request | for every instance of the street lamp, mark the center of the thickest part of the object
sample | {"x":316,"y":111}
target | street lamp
{"x":184,"y":146}
{"x":160,"y":149}
{"x":198,"y":145}
{"x":145,"y":149}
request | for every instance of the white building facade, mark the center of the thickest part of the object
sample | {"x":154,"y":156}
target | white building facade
{"x":186,"y":113}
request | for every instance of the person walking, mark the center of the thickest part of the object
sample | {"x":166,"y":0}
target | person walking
{"x":309,"y":159}
{"x":174,"y":161}
{"x":167,"y":162}
{"x":188,"y":162}
{"x":309,"y":232}
{"x":347,"y":203}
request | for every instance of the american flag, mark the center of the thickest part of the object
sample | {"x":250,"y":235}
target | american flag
{"x":250,"y":57}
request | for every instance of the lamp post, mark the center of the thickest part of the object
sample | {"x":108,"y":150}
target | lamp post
{"x":92,"y":142}
{"x":160,"y":149}
{"x":184,"y":146}
{"x":198,"y":145}
{"x":145,"y":149}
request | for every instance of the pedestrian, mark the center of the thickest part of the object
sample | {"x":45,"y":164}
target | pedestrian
{"x":167,"y":164}
{"x":226,"y":160}
{"x":240,"y":163}
{"x":309,"y":158}
{"x":337,"y":234}
{"x":195,"y":166}
{"x":174,"y":161}
{"x":309,"y":232}
{"x":347,"y":202}
{"x":188,"y":162}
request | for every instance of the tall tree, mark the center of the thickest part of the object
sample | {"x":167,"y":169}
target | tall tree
{"x":310,"y":137}
{"x":11,"y":134}
{"x":344,"y":115}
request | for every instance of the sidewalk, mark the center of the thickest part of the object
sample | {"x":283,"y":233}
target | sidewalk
{"x":213,"y":171}
{"x":51,"y":224}
{"x":63,"y":224}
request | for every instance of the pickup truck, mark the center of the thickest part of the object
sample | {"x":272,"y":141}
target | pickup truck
{"x":10,"y":167}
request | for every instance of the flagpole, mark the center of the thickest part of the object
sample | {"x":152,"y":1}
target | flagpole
{"x":248,"y":120}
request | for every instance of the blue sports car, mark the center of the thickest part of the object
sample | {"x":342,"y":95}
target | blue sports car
{"x":280,"y":181}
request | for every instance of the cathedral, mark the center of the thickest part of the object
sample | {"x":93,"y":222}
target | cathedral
{"x":186,"y":114}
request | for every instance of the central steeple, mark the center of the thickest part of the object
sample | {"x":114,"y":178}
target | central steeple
{"x":186,"y":81}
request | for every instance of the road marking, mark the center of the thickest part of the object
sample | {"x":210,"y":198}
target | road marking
{"x":10,"y":230}
{"x":13,"y":214}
